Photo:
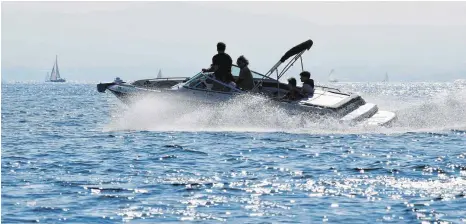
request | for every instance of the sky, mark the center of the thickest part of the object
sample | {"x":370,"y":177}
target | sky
{"x":361,"y":41}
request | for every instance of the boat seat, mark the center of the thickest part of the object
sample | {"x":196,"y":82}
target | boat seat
{"x":328,"y":99}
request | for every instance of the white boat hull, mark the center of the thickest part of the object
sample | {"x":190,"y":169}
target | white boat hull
{"x":356,"y":113}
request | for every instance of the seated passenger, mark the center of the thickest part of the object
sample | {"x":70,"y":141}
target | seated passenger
{"x":245,"y":80}
{"x":293,"y":93}
{"x":308,"y":84}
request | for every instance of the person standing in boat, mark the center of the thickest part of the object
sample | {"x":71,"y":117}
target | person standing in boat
{"x":245,"y":80}
{"x":221,"y":64}
{"x":308,"y":84}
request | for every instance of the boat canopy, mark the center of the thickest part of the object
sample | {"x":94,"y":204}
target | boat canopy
{"x":295,"y":54}
{"x":306,"y":45}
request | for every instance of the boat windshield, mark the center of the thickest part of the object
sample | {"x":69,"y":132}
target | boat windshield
{"x":207,"y":82}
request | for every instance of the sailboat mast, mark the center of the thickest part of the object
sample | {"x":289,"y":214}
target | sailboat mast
{"x":56,"y":64}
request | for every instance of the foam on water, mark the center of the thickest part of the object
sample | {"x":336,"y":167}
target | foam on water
{"x":243,"y":113}
{"x":429,"y":108}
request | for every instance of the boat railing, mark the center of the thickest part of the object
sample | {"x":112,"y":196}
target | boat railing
{"x":167,"y":78}
{"x":328,"y":88}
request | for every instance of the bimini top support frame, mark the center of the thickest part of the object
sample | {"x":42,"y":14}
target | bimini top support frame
{"x":295,"y":53}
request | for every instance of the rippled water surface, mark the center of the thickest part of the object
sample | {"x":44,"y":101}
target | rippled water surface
{"x":71,"y":154}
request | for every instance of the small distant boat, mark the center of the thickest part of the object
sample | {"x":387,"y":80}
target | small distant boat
{"x":386,"y":77}
{"x":330,"y":77}
{"x":160,"y":74}
{"x":55,"y":74}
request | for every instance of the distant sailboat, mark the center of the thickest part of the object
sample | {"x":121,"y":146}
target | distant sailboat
{"x":330,"y":78}
{"x":386,"y":77}
{"x":160,"y":74}
{"x":55,"y":74}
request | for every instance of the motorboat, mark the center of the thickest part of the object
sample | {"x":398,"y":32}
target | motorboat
{"x":349,"y":108}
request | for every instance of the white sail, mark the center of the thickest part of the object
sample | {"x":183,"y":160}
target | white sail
{"x":386,"y":77}
{"x":160,"y":74}
{"x":56,"y":65}
{"x":55,"y":74}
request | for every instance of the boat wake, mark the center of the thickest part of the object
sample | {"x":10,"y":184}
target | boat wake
{"x":442,"y":113}
{"x":247,"y":113}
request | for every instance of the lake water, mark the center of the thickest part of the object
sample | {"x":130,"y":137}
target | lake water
{"x":73,"y":155}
